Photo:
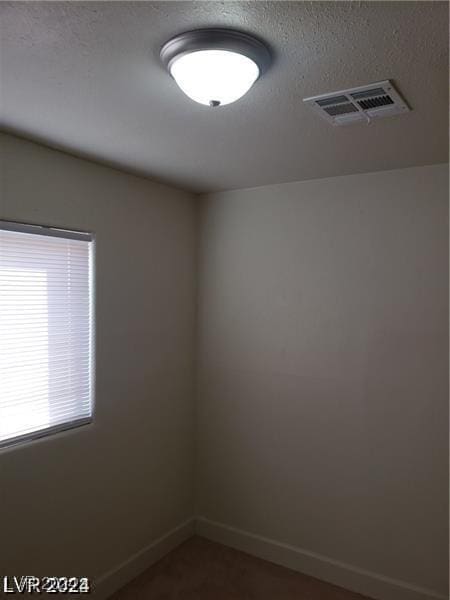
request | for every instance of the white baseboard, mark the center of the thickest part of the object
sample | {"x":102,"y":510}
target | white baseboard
{"x":347,"y":576}
{"x":336,"y":572}
{"x":133,"y":566}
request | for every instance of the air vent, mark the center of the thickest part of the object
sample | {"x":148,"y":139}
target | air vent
{"x":359,"y":105}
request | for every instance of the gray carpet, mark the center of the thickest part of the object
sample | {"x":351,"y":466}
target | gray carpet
{"x":203,"y":570}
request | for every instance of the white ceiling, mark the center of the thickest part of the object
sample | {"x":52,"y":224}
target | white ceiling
{"x":85,"y":77}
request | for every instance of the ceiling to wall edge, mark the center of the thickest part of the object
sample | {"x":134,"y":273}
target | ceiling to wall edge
{"x":94,"y":159}
{"x":160,"y":181}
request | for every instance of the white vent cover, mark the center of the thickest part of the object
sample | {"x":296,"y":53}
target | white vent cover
{"x":359,"y":104}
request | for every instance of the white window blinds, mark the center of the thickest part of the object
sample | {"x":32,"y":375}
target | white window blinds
{"x":46,"y":331}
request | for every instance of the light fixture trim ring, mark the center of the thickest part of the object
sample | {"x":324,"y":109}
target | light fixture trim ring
{"x":216,"y":39}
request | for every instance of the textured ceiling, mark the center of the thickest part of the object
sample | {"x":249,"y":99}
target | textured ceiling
{"x":85,"y":77}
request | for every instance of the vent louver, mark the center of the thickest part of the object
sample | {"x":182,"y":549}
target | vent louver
{"x":341,"y":109}
{"x":332,"y":100}
{"x":374,"y":102}
{"x":360,"y":104}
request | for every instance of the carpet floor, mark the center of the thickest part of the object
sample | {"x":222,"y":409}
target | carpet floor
{"x":202,"y":570}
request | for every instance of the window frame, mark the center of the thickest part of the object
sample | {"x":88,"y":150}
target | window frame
{"x":71,"y":234}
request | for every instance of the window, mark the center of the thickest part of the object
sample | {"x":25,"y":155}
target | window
{"x":46,"y":331}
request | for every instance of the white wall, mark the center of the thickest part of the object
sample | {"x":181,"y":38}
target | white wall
{"x":80,"y":502}
{"x":323,"y":380}
{"x":323,"y":407}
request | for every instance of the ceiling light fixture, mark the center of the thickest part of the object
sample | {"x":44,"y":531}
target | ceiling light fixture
{"x":215,"y":66}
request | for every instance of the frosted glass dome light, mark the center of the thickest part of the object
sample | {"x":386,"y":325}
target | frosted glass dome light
{"x":215,"y":66}
{"x":214,"y":77}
